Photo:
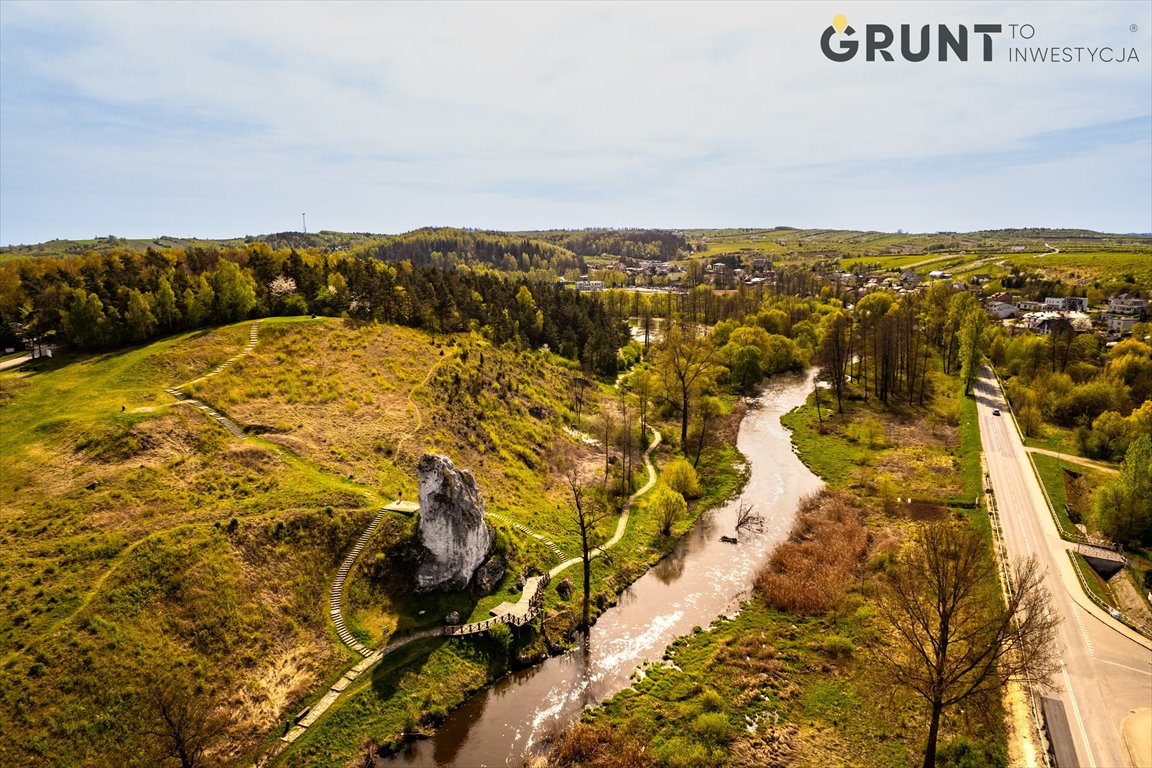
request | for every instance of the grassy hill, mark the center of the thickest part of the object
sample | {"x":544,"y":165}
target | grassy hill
{"x":147,"y":551}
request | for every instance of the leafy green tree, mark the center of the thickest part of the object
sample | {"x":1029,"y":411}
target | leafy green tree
{"x":685,"y":364}
{"x":1124,"y":507}
{"x":138,"y":316}
{"x":83,"y":320}
{"x":198,"y":302}
{"x":746,"y":365}
{"x":681,"y":477}
{"x":973,"y":345}
{"x":668,"y":507}
{"x":235,"y":292}
{"x":833,"y":353}
{"x":164,"y":305}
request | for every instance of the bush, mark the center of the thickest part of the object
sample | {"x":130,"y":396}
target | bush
{"x":962,"y":752}
{"x":502,"y":634}
{"x":681,"y":477}
{"x":838,"y":646}
{"x":582,"y":744}
{"x":713,"y":727}
{"x":679,"y":752}
{"x":712,"y":701}
{"x":668,"y":506}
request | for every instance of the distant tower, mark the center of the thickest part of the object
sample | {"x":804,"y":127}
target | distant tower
{"x":304,"y":222}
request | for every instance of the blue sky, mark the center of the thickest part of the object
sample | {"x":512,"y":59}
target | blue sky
{"x":218,"y":119}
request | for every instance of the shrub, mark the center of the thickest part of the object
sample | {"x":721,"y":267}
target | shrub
{"x":502,"y":634}
{"x":681,"y":477}
{"x":838,"y":646}
{"x":962,"y":752}
{"x":680,"y":752}
{"x":583,"y":744}
{"x":869,"y":431}
{"x":668,"y":506}
{"x":811,"y":571}
{"x":713,"y":727}
{"x":712,"y":701}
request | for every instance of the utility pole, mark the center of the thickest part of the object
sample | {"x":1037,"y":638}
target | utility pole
{"x":304,"y":222}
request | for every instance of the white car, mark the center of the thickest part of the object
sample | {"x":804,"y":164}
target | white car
{"x":995,"y":411}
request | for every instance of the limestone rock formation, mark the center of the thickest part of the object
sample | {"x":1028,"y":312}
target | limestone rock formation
{"x":451,"y":526}
{"x":489,"y":574}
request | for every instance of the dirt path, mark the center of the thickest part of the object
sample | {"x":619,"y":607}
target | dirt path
{"x":1090,"y":463}
{"x":178,"y":393}
{"x":622,"y":525}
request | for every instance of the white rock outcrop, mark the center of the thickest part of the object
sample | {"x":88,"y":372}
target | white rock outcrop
{"x":451,"y":526}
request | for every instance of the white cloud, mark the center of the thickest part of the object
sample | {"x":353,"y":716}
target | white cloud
{"x":524,"y":115}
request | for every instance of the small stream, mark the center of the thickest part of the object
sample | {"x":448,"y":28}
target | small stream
{"x":700,"y":580}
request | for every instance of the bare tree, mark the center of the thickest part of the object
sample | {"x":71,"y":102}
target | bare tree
{"x":745,"y":515}
{"x":833,"y":354}
{"x":180,"y":720}
{"x":956,"y":636}
{"x":587,"y":514}
{"x":578,"y":387}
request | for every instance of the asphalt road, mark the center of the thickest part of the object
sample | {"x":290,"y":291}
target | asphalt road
{"x":1107,"y":667}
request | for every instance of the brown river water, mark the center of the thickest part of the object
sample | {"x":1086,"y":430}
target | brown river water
{"x":701,"y":579}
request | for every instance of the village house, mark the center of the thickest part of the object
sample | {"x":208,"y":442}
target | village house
{"x":1072,"y":303}
{"x":1127,"y":305}
{"x":1001,"y":309}
{"x":1041,"y":323}
{"x":1119,"y":325}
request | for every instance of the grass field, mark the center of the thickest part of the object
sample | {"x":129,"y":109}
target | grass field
{"x":141,"y":541}
{"x":922,"y":455}
{"x":1054,"y":477}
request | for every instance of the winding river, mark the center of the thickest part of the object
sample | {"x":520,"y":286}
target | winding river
{"x":701,"y":579}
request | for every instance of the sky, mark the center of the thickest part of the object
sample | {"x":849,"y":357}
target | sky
{"x":216,"y":119}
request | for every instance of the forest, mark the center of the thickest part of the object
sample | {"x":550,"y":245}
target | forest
{"x":643,"y":244}
{"x":100,"y":301}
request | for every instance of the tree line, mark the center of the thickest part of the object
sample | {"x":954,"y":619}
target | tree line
{"x":449,"y":248}
{"x":103,"y":301}
{"x":643,"y":244}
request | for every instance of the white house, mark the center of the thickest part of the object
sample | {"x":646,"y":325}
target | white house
{"x":1120,"y":324}
{"x":1127,"y":305}
{"x":1072,"y":303}
{"x":1001,"y":309}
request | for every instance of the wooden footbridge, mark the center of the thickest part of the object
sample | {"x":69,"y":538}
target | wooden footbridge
{"x":517,"y":614}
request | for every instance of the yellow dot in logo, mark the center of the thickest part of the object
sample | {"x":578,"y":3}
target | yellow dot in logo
{"x":839,"y":23}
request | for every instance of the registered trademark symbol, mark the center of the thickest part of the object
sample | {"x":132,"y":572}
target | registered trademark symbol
{"x":1133,"y":28}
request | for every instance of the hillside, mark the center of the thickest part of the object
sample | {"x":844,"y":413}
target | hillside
{"x":149,"y":555}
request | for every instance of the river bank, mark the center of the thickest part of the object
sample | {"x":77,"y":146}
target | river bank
{"x":703,"y":577}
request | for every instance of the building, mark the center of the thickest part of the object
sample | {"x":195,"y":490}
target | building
{"x":1068,"y":303}
{"x":1118,"y":325}
{"x":1001,"y":309}
{"x":1127,"y":305}
{"x":1029,"y":306}
{"x":594,"y":286}
{"x":1042,"y":322}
